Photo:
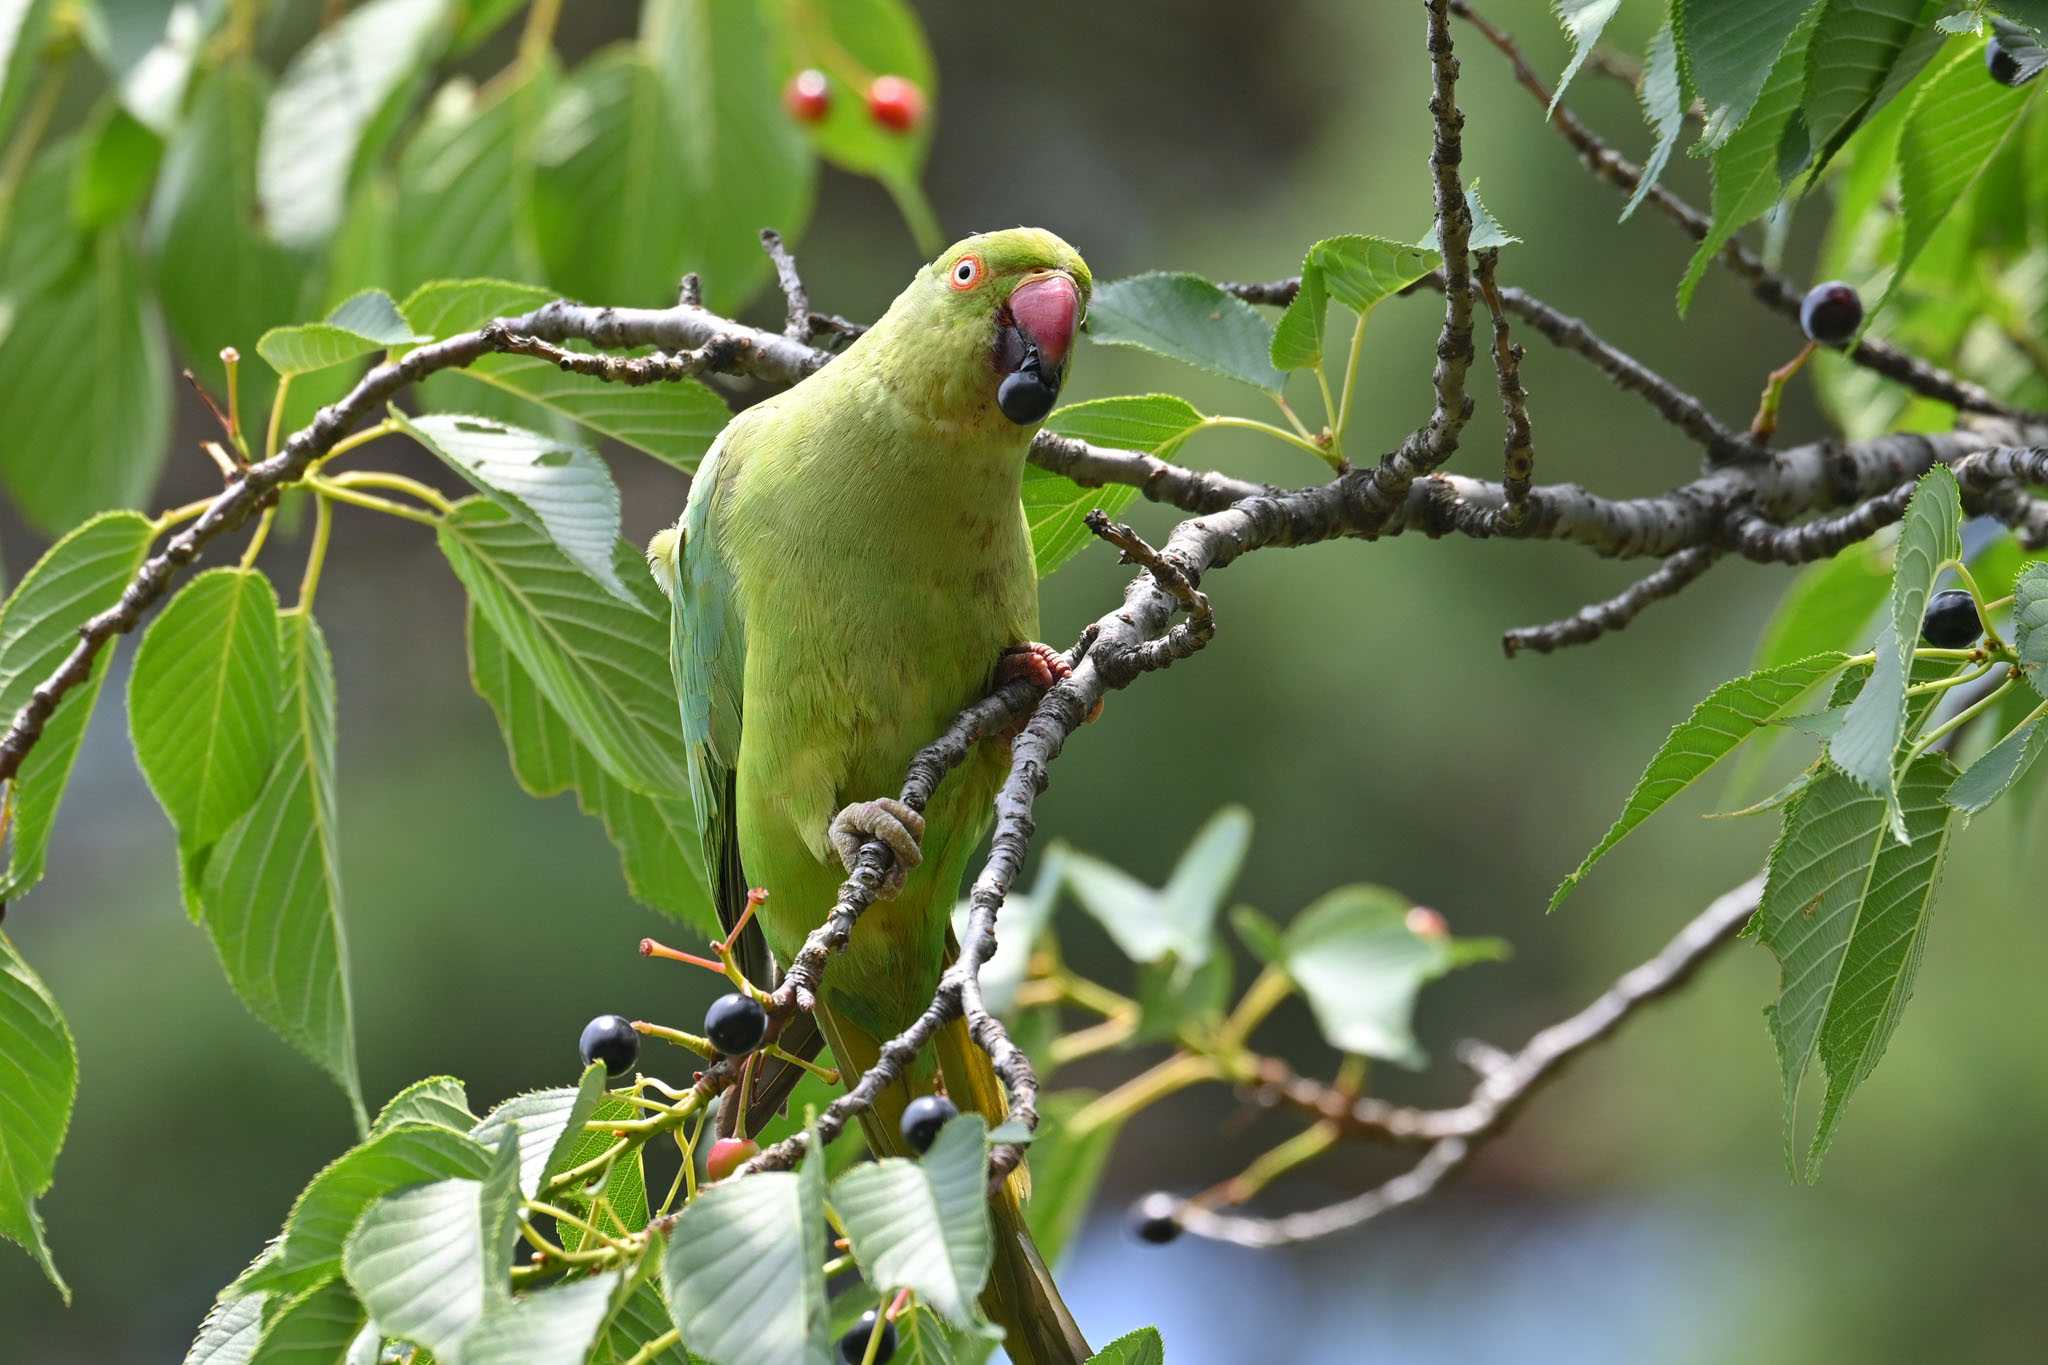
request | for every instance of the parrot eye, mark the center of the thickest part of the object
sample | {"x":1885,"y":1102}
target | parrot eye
{"x":966,"y":273}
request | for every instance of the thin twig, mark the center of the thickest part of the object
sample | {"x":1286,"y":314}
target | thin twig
{"x":1518,"y":451}
{"x":1430,"y":445}
{"x":1591,"y":622}
{"x":798,"y":328}
{"x":1454,"y":1135}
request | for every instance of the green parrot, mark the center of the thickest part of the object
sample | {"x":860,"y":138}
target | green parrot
{"x":851,"y":569}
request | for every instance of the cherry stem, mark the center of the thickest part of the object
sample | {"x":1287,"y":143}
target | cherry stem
{"x":649,"y":948}
{"x":754,"y":899}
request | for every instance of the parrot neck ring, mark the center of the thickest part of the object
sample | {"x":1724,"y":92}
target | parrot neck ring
{"x":1033,"y":331}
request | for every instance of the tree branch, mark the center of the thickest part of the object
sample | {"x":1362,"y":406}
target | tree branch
{"x":1430,"y":445}
{"x":1452,"y":1136}
{"x":1589,"y":623}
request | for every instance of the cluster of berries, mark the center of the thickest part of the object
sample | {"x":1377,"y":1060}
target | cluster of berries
{"x":736,"y":1024}
{"x":893,"y":102}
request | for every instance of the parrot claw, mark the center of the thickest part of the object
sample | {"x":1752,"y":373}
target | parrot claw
{"x":1040,"y":665}
{"x":895,"y":824}
{"x":1043,"y":667}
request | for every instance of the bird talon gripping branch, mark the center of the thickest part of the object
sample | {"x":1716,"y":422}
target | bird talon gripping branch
{"x":889,"y":820}
{"x":1040,"y":665}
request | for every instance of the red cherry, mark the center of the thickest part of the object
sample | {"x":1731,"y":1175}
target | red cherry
{"x":1424,"y":922}
{"x":807,"y":96}
{"x":895,"y":103}
{"x":728,"y":1155}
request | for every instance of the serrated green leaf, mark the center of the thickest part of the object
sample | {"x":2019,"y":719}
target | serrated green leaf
{"x":1728,"y":715}
{"x":547,"y":1126}
{"x":923,"y":1225}
{"x":674,"y":422}
{"x":430,"y":1259}
{"x":849,"y":37}
{"x":1583,"y":22}
{"x":552,"y":1326}
{"x":81,"y":575}
{"x":360,"y":325}
{"x":602,"y":663}
{"x":229,"y":1332}
{"x":1955,"y":128}
{"x":1662,"y":96}
{"x":1999,"y":768}
{"x":1748,"y":170}
{"x":1866,"y":746}
{"x":38,"y":1081}
{"x":1486,"y":233}
{"x":440,"y":1100}
{"x":1845,"y":912}
{"x":1360,"y":967}
{"x":1055,"y":506}
{"x":270,"y":892}
{"x":409,"y":1153}
{"x":1186,"y":318}
{"x":86,"y":405}
{"x":1298,"y":334}
{"x":204,"y":698}
{"x":116,"y":169}
{"x":659,"y":853}
{"x":1851,"y":61}
{"x":1142,"y":1347}
{"x":315,"y":1327}
{"x":642,"y":1316}
{"x":1359,"y":272}
{"x":326,"y":104}
{"x":623,"y":1207}
{"x":2030,"y":624}
{"x":464,"y":181}
{"x":1178,"y":918}
{"x":441,"y":308}
{"x":204,"y":211}
{"x":558,"y":488}
{"x":1733,"y":51}
{"x":743,"y":163}
{"x":744,"y":1271}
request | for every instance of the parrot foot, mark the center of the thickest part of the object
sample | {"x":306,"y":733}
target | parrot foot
{"x":1040,"y":665}
{"x":895,"y":824}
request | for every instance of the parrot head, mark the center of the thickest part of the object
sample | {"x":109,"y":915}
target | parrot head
{"x":987,"y":329}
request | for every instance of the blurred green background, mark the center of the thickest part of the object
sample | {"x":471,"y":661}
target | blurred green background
{"x":1355,"y":698}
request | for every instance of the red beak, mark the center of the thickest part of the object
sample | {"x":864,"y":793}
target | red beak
{"x":1046,"y":310}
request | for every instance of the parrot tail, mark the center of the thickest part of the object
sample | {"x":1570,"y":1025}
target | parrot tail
{"x":1020,"y":1296}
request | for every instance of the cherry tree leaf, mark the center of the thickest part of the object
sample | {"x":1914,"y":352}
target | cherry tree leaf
{"x":1845,"y":911}
{"x":1186,"y":318}
{"x":1055,"y":507}
{"x":81,"y":575}
{"x":923,"y":1225}
{"x":1727,"y":716}
{"x":38,"y":1081}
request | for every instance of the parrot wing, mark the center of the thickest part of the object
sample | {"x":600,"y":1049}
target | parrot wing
{"x":708,"y":654}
